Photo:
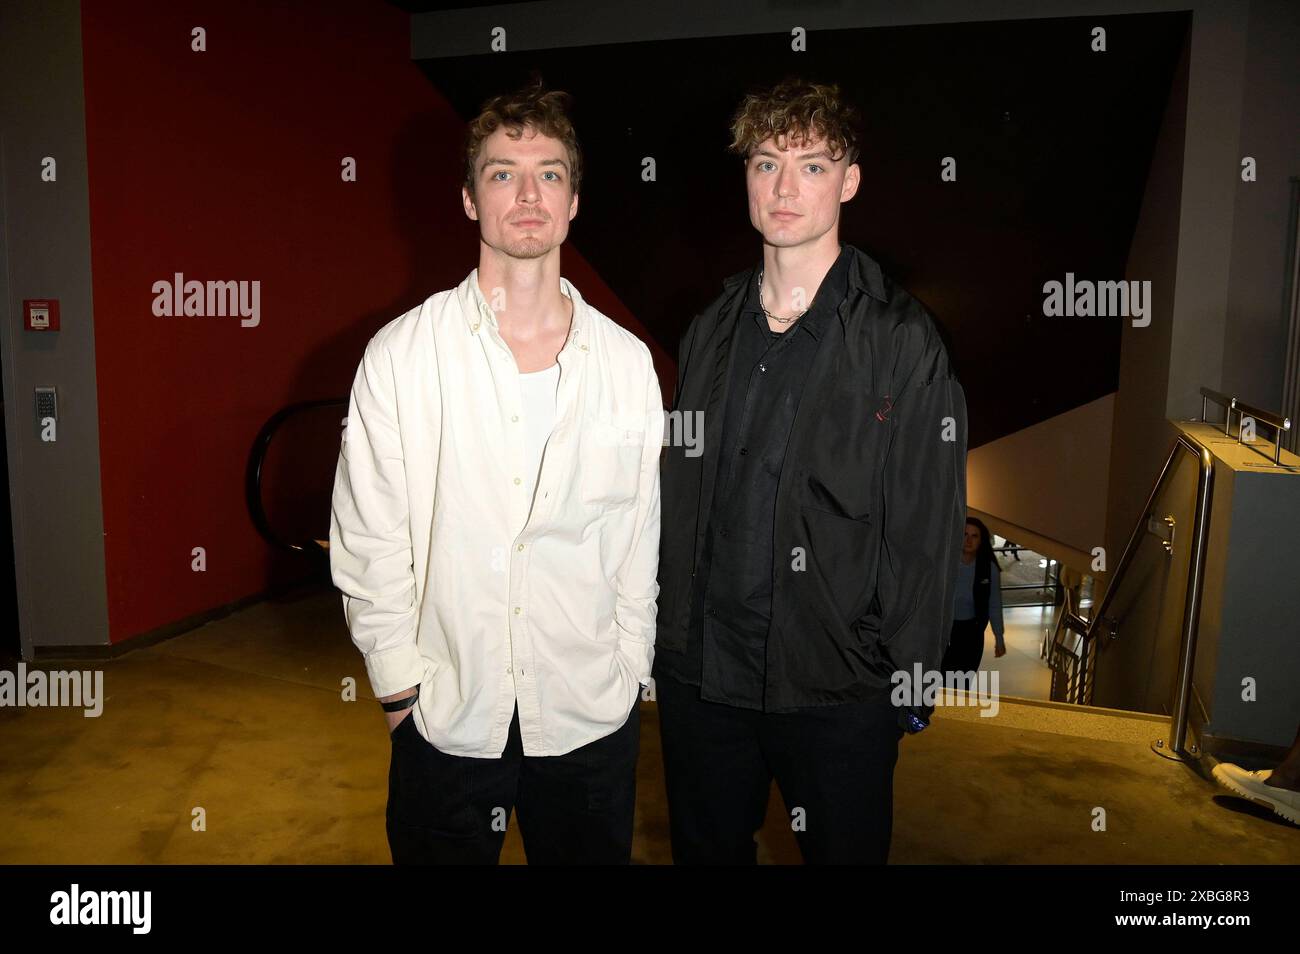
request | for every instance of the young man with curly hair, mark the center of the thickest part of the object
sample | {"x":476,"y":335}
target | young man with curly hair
{"x":806,"y":556}
{"x":495,"y":528}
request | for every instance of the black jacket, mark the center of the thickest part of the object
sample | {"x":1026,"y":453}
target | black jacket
{"x":870,"y":506}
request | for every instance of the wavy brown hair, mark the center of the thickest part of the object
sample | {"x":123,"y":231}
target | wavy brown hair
{"x":796,"y":110}
{"x":534,"y":106}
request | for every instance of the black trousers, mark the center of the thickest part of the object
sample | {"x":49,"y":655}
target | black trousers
{"x":574,"y":808}
{"x":834,"y":766}
{"x":965,"y":646}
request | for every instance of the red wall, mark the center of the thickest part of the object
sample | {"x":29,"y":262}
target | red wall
{"x":225,"y":165}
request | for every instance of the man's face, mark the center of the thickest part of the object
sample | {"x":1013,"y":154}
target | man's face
{"x":795,"y":190}
{"x":522,"y":197}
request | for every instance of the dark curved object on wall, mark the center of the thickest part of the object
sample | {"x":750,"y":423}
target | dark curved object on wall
{"x":316,"y":549}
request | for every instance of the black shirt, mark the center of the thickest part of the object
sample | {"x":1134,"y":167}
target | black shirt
{"x":732,"y":599}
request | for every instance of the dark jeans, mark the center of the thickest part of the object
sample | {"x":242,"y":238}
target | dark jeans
{"x":965,"y":646}
{"x":835,"y":763}
{"x":574,"y":808}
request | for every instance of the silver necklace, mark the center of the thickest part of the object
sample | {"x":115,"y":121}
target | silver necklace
{"x":784,"y":321}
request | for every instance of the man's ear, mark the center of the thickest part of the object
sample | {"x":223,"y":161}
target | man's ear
{"x":468,"y":202}
{"x":852,"y":177}
{"x":573,"y":206}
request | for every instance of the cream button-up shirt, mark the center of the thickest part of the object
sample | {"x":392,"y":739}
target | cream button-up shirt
{"x":449,"y":582}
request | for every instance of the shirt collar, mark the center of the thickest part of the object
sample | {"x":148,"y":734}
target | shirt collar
{"x":479,"y":314}
{"x":826,"y":302}
{"x":864,"y":275}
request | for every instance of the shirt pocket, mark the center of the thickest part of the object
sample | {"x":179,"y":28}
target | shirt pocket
{"x":848,"y":451}
{"x":841,"y":552}
{"x":610,"y":463}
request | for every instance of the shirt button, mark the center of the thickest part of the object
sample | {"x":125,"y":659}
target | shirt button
{"x":516,"y":480}
{"x":514,"y":417}
{"x":762,"y":367}
{"x":520,"y":547}
{"x":744,"y":451}
{"x":518,"y":610}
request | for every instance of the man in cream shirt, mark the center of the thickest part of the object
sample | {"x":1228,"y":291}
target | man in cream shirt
{"x":495,"y":528}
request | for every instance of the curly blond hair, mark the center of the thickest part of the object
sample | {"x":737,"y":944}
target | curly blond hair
{"x":545,"y":111}
{"x":796,"y":110}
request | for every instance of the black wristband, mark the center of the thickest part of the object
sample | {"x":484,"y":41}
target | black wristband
{"x":398,"y":705}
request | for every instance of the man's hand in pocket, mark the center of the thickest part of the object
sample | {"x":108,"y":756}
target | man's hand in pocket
{"x":394,"y":719}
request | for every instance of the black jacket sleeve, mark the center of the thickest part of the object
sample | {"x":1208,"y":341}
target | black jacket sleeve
{"x":924,"y":498}
{"x":684,"y":348}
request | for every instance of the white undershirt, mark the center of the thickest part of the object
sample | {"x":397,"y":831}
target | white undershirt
{"x":537,"y":398}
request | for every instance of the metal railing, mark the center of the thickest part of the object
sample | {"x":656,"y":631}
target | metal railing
{"x":1073,"y":649}
{"x":1072,"y":659}
{"x":1281,"y":425}
{"x":1069,"y":656}
{"x":1051,"y":575}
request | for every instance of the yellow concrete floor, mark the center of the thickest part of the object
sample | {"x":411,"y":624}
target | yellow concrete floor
{"x":243,"y":717}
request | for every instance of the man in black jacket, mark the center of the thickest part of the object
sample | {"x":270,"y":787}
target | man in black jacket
{"x":807,"y":557}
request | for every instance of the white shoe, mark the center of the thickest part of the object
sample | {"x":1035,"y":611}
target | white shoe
{"x":1251,"y":785}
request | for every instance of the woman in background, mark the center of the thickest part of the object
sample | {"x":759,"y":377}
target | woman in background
{"x":977,"y":601}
